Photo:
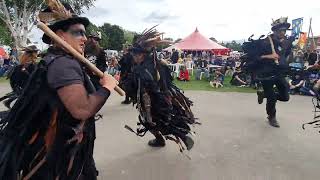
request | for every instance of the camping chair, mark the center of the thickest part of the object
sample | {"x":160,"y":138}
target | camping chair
{"x":189,"y":66}
{"x":174,"y":69}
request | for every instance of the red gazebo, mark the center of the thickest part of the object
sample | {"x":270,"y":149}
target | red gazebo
{"x":198,"y":42}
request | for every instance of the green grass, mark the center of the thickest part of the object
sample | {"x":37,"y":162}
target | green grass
{"x":203,"y":85}
{"x":197,"y":85}
{"x":4,"y":80}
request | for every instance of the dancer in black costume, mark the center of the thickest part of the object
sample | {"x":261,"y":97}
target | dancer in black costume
{"x":20,"y":74}
{"x":163,"y":108}
{"x":269,"y":64}
{"x":49,"y":132}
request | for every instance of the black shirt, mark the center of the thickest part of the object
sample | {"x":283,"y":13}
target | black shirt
{"x":202,"y":64}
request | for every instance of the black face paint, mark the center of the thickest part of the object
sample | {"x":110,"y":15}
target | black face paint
{"x":77,"y":33}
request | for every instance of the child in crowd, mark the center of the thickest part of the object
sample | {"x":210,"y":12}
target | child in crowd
{"x":183,"y":74}
{"x":218,"y":79}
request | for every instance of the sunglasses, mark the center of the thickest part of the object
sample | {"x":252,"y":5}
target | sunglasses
{"x":77,"y":33}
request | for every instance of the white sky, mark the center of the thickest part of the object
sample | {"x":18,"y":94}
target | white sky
{"x":225,"y":20}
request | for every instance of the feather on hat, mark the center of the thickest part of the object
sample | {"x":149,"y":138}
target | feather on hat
{"x":58,"y":15}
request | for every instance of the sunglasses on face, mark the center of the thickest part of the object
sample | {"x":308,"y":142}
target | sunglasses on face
{"x":77,"y":33}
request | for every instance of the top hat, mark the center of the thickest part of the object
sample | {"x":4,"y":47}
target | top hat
{"x":280,"y":24}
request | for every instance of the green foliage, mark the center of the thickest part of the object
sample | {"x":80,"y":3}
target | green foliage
{"x":115,"y":36}
{"x":5,"y":37}
{"x":203,"y":85}
{"x":234,"y":46}
{"x":128,"y":36}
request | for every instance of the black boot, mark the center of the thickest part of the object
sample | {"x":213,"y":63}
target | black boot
{"x":260,"y":94}
{"x":188,"y":141}
{"x":126,"y":101}
{"x":273,"y":121}
{"x":157,"y":142}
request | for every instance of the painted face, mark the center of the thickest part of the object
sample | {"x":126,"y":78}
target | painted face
{"x":75,"y":37}
{"x":137,"y":57}
{"x":281,"y":33}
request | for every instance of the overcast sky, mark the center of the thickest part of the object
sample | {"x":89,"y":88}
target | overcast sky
{"x":225,"y":20}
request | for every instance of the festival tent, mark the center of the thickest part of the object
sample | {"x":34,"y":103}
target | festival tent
{"x":197,"y":42}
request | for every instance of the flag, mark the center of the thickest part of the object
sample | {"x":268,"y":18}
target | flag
{"x":303,"y":40}
{"x":296,"y":27}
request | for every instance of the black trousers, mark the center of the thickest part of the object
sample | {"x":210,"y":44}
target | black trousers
{"x":282,"y":93}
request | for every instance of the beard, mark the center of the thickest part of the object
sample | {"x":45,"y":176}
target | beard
{"x":92,"y":48}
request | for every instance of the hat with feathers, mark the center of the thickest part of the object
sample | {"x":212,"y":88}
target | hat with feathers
{"x":147,"y":41}
{"x":58,"y":15}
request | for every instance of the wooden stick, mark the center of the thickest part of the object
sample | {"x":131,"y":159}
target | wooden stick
{"x":272,"y":48}
{"x":75,"y":53}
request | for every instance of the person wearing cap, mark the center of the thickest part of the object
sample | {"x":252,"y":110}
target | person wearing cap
{"x":273,"y":66}
{"x":51,"y":127}
{"x":96,"y":55}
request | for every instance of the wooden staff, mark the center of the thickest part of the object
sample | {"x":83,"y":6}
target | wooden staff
{"x":75,"y":53}
{"x":273,"y":49}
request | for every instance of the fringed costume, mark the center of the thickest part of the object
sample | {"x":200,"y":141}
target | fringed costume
{"x":40,"y":139}
{"x":163,"y":108}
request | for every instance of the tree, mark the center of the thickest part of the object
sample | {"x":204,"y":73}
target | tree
{"x":128,"y":36}
{"x":115,"y":36}
{"x":19,"y":16}
{"x":5,"y":38}
{"x":234,"y":46}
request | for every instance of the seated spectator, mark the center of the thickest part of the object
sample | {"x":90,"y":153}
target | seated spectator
{"x":239,"y":78}
{"x":113,"y":66}
{"x":218,"y":61}
{"x":218,"y":79}
{"x":183,"y":74}
{"x":295,"y":84}
{"x":117,"y":76}
{"x":306,"y":89}
{"x":229,"y":71}
{"x":201,"y":67}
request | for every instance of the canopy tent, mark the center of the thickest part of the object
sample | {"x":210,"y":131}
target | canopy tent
{"x":198,"y":42}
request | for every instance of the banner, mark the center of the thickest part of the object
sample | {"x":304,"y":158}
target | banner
{"x":296,"y":27}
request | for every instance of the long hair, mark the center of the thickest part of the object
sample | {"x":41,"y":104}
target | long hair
{"x":28,"y":57}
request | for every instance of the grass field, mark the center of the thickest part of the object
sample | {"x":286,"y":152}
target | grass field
{"x":3,"y":80}
{"x":204,"y":85}
{"x":195,"y":85}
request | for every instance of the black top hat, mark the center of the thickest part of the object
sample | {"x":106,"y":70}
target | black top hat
{"x":280,"y":23}
{"x":59,"y":16}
